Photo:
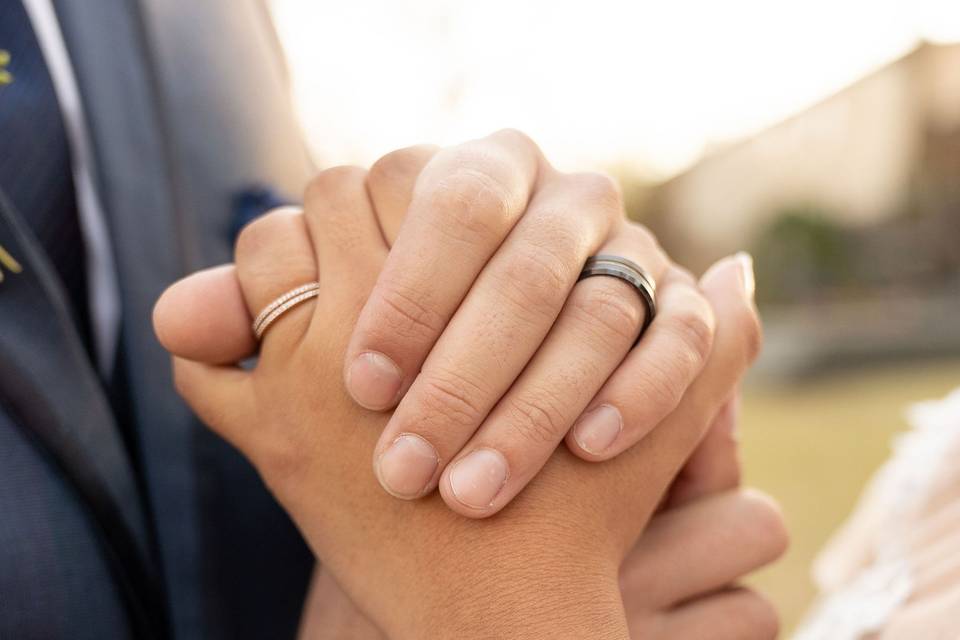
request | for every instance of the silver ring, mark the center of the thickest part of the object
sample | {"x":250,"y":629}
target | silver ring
{"x":282,"y":304}
{"x":628,"y":271}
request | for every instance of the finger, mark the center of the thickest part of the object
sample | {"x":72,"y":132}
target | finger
{"x":390,"y":183}
{"x":715,"y":465}
{"x":735,"y":614}
{"x":692,"y":550}
{"x":467,"y":200}
{"x":495,"y":332}
{"x":594,"y":331}
{"x":349,"y":246}
{"x":273,"y":256}
{"x":653,"y":378}
{"x":654,"y":462}
{"x":222,"y":397}
{"x":204,"y":317}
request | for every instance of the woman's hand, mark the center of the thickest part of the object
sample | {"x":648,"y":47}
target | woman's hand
{"x":679,"y":581}
{"x":550,"y":562}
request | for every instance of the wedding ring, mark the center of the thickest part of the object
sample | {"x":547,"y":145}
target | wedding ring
{"x":281,"y":305}
{"x":628,"y":271}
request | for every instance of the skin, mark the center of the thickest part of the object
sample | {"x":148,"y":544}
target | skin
{"x":546,"y":567}
{"x":542,"y":363}
{"x":478,"y":332}
{"x":702,"y":549}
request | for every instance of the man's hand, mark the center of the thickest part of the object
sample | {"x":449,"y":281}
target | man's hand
{"x":478,"y":328}
{"x":550,"y":562}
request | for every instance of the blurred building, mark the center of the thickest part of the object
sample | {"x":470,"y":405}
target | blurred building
{"x":852,"y":211}
{"x":870,"y":153}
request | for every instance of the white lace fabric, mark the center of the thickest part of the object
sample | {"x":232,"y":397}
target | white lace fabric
{"x":893,"y":569}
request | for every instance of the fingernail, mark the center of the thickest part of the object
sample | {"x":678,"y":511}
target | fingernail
{"x":478,"y":478}
{"x":598,"y":429}
{"x":745,"y":260}
{"x":406,"y":468}
{"x":373,"y":381}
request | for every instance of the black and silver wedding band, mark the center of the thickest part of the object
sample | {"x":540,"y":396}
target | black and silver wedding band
{"x":628,"y":271}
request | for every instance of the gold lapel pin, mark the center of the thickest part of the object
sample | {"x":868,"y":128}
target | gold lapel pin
{"x":5,"y":76}
{"x":9,"y":262}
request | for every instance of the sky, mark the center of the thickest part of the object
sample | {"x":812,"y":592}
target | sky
{"x":642,"y":86}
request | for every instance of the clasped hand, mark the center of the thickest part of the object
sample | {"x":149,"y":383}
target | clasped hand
{"x":498,"y":351}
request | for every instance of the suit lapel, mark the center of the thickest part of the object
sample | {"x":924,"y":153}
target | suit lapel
{"x":154,"y":243}
{"x":177,"y":133}
{"x":48,"y":385}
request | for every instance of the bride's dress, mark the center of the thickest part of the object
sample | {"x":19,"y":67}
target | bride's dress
{"x":892,"y":572}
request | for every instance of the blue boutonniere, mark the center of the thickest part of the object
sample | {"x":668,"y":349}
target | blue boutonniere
{"x":5,"y":76}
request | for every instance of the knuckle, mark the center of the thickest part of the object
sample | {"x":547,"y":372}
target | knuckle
{"x":538,"y":418}
{"x":331,"y":183}
{"x":272,"y":251}
{"x":452,"y":396}
{"x":515,"y":136}
{"x":559,"y":234}
{"x":693,"y":326}
{"x":536,"y":281}
{"x":475,"y":202}
{"x":403,"y":314}
{"x":645,"y":240}
{"x":606,"y":311}
{"x":658,"y":386}
{"x":398,"y":165}
{"x":514,"y":141}
{"x":256,"y":235}
{"x":602,"y":190}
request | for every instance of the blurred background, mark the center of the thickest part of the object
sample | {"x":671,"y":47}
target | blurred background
{"x":821,"y":135}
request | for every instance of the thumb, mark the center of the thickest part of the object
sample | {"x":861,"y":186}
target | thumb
{"x":204,"y":317}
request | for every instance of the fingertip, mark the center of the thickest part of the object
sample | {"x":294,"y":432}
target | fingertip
{"x":728,"y":285}
{"x":733,"y":274}
{"x":598,"y":434}
{"x":769,"y":519}
{"x":474,"y":485}
{"x":374,"y":381}
{"x":577,"y":449}
{"x":161,"y":320}
{"x":407,"y":467}
{"x":203,"y":317}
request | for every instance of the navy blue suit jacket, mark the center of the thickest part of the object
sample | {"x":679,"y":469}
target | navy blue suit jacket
{"x":170,"y":534}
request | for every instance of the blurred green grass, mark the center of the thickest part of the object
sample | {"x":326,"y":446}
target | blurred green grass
{"x":813,"y":445}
